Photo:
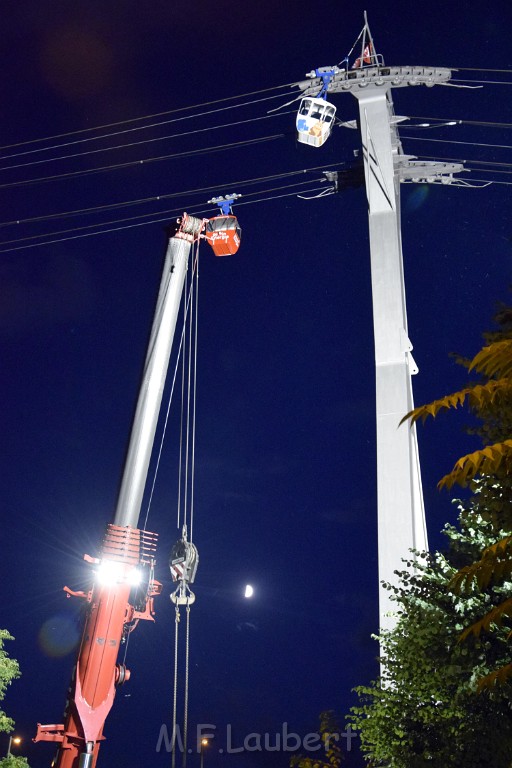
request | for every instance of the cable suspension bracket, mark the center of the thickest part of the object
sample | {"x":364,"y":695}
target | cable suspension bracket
{"x":408,"y":169}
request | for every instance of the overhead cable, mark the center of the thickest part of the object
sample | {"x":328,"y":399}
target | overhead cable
{"x":145,"y":117}
{"x":156,"y":198}
{"x":482,"y":69}
{"x":460,"y":121}
{"x":465,"y":160}
{"x":494,"y":181}
{"x":130,"y":164}
{"x":454,"y":141}
{"x":138,"y":128}
{"x":141,"y":224}
{"x":138,"y":143}
{"x":142,"y":215}
{"x":210,"y":103}
{"x":481,"y":82}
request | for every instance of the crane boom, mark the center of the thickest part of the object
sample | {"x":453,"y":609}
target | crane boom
{"x":124,"y":584}
{"x":153,"y":378}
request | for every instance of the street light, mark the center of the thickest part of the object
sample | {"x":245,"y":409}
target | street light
{"x":13,"y":740}
{"x":204,"y":743}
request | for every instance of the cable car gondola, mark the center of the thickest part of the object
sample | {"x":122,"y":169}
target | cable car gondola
{"x":223,"y":232}
{"x":315,"y":119}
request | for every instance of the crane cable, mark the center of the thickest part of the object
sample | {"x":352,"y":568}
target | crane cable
{"x":186,"y":480}
{"x":183,"y":744}
{"x":185,"y":706}
{"x":182,"y":403}
{"x":194,"y":402}
{"x":188,"y":403}
{"x":190,"y":315}
{"x":175,"y":691}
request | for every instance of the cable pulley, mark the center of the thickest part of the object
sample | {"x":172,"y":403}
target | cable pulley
{"x":183,"y":563}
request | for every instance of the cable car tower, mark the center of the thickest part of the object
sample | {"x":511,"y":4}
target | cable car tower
{"x":401,"y":515}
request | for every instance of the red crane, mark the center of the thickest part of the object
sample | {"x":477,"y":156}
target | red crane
{"x":124,"y":585}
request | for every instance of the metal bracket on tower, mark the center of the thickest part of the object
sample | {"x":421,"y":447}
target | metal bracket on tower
{"x":425,"y":172}
{"x":355,"y":80}
{"x":332,"y":176}
{"x":407,"y":349}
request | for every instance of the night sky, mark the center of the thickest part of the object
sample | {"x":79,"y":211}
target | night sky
{"x":285,"y":495}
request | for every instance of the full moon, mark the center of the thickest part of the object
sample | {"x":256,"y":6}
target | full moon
{"x":249,"y":591}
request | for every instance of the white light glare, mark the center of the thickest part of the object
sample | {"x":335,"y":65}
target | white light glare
{"x":249,"y":591}
{"x":109,"y":572}
{"x":134,"y":577}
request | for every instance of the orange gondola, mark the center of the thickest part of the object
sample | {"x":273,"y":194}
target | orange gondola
{"x":223,"y":232}
{"x":224,"y":235}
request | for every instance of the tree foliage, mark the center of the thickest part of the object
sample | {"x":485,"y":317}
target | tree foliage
{"x":330,"y":737}
{"x":427,"y":709}
{"x":13,"y":761}
{"x":9,"y":671}
{"x":493,"y":361}
{"x":491,"y":402}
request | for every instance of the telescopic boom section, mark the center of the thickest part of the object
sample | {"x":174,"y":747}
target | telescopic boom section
{"x":155,"y":371}
{"x":124,"y":585}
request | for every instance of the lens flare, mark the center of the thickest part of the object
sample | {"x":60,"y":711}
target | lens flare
{"x":59,"y":636}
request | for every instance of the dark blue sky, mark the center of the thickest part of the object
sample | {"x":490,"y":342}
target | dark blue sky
{"x":285,"y":460}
